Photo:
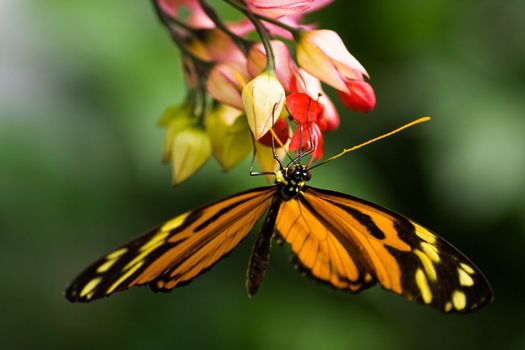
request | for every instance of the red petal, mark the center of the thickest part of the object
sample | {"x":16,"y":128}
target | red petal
{"x":303,"y":108}
{"x":281,"y":129}
{"x":311,"y":135}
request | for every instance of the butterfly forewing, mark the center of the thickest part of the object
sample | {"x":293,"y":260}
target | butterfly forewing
{"x":175,"y":252}
{"x":401,"y":255}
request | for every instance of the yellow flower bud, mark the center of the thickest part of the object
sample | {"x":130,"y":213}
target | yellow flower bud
{"x":263,"y":99}
{"x":174,"y":119}
{"x":230,"y":135}
{"x":191,"y":148}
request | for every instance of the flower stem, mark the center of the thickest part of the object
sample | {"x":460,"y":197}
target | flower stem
{"x":201,"y":67}
{"x":261,"y":30}
{"x":243,"y":44}
{"x":293,"y":30}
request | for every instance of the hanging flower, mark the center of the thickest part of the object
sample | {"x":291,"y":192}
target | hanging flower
{"x":229,"y":134}
{"x":263,"y":100}
{"x":323,"y":54}
{"x":306,"y":83}
{"x":226,"y":81}
{"x":197,"y":17}
{"x":308,"y":115}
{"x":238,"y":83}
{"x":191,"y":148}
{"x":359,"y":97}
{"x":174,"y":119}
{"x":283,"y":62}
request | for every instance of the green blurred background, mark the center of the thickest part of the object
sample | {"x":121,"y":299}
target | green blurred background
{"x":82,"y":84}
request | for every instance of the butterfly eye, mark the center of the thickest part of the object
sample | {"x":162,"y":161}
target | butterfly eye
{"x":307,"y":175}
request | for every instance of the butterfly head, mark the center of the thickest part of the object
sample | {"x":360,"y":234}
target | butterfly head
{"x":292,"y":180}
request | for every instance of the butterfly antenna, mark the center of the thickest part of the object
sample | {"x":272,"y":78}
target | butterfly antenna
{"x":345,"y":151}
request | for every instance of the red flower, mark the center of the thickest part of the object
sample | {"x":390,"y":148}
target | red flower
{"x":360,"y":96}
{"x":309,"y":116}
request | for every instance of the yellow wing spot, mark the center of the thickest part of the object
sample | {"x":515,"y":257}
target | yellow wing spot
{"x":459,"y":300}
{"x":154,"y":240}
{"x":175,"y":222}
{"x":105,"y":266}
{"x":427,"y":264}
{"x":154,"y":243}
{"x":464,"y":278}
{"x":423,"y":286}
{"x":116,"y":253}
{"x":123,"y":277}
{"x":111,"y":259}
{"x":88,"y":288}
{"x":448,"y":306}
{"x":467,"y":268}
{"x":431,"y":251}
{"x":424,"y":234}
{"x":368,"y":277}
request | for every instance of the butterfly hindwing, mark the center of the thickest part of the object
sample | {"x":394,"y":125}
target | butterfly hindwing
{"x":401,"y":255}
{"x":318,"y":249}
{"x":175,"y":252}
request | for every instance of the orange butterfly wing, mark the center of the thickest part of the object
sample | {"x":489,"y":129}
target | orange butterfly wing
{"x":175,"y":252}
{"x":351,"y":243}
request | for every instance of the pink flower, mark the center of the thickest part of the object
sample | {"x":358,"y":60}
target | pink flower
{"x":225,"y":83}
{"x":283,"y":62}
{"x":220,"y":47}
{"x":289,"y":12}
{"x":279,"y":8}
{"x":323,"y":54}
{"x":197,"y":18}
{"x":360,"y":96}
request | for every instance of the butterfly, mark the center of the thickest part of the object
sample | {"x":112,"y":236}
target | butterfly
{"x":346,"y":242}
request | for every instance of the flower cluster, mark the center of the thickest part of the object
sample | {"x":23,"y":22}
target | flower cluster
{"x":245,"y":92}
